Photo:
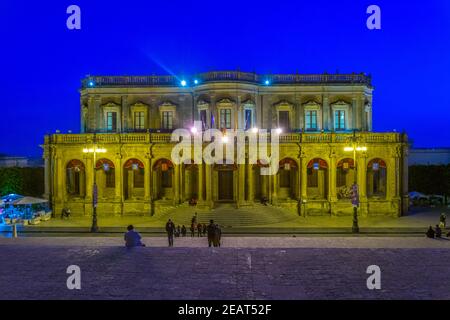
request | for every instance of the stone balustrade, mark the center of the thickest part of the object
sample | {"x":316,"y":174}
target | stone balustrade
{"x":142,"y":138}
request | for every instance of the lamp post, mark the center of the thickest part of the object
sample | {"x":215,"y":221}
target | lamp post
{"x":94,"y":151}
{"x":355,"y":192}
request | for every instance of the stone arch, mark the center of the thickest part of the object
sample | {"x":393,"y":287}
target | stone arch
{"x":75,"y":178}
{"x":163,"y":179}
{"x":133,"y":179}
{"x":105,"y":176}
{"x":345,"y":177}
{"x":317,"y":179}
{"x":376,"y":178}
{"x":288,"y":178}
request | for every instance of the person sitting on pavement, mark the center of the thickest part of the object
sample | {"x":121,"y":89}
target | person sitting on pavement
{"x":430,"y":233}
{"x":132,"y":238}
{"x":438,"y":232}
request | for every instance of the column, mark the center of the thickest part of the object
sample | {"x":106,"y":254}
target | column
{"x":326,"y":114}
{"x":304,"y":178}
{"x":98,"y":114}
{"x":275,"y":188}
{"x":176,"y":187}
{"x":147,"y":180}
{"x":200,"y":183}
{"x":125,"y":113}
{"x":362,"y":183}
{"x":208,"y":177}
{"x":118,"y":176}
{"x":241,"y":185}
{"x":47,"y":174}
{"x":250,"y":192}
{"x":354,"y":113}
{"x":332,"y":179}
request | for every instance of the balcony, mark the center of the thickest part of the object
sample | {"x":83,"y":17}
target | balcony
{"x":226,"y":76}
{"x":147,"y":138}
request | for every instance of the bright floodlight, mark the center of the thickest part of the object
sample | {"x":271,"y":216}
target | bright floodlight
{"x":348,"y":149}
{"x":91,"y":83}
{"x":278,"y":130}
{"x":267,"y":82}
{"x":195,"y":81}
{"x":254,"y":130}
{"x":194,"y":130}
{"x":183,"y":83}
{"x":224,"y":139}
{"x":92,"y":150}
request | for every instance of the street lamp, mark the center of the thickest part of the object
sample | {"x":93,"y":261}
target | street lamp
{"x":94,"y":150}
{"x":355,"y":198}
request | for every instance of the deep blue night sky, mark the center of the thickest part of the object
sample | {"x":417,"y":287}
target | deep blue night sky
{"x":42,"y":61}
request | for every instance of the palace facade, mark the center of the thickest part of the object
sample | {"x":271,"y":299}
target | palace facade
{"x":321,"y":116}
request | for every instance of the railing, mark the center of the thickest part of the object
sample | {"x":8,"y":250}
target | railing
{"x":143,"y":138}
{"x":225,"y":76}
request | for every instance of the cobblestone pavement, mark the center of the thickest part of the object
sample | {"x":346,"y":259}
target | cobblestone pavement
{"x":245,"y":268}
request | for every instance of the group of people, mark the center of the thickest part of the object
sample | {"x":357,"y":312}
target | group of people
{"x":212,"y":230}
{"x":437,"y":232}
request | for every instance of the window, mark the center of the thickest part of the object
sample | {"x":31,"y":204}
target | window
{"x":311,"y":120}
{"x":203,"y":119}
{"x":110,"y":178}
{"x":111,"y":121}
{"x":313,"y":178}
{"x":225,"y":118}
{"x":167,"y":119}
{"x":248,"y":119}
{"x":341,"y":177}
{"x":166,"y":179}
{"x":139,"y":122}
{"x":138,"y":178}
{"x":339,"y":120}
{"x":283,"y":120}
{"x":285,"y":178}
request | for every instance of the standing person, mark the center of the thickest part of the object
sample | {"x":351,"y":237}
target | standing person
{"x":183,"y":231}
{"x":204,"y":229}
{"x":211,"y":232}
{"x":199,"y":230}
{"x":192,"y":230}
{"x":178,"y":231}
{"x":170,"y":229}
{"x":217,"y":236}
{"x":194,"y":219}
{"x":132,"y":238}
{"x":442,"y":219}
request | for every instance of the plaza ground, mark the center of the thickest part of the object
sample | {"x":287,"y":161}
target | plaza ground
{"x":243,"y":268}
{"x":245,"y":221}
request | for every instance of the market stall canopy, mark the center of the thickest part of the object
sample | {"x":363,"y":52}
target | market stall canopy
{"x":29,"y":200}
{"x":9,"y":198}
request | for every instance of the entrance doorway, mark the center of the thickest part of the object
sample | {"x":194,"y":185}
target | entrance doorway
{"x":226,"y":185}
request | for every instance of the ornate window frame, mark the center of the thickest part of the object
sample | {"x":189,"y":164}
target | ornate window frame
{"x":204,"y":106}
{"x":341,"y":105}
{"x":111,"y":107}
{"x":248,"y":105}
{"x":226,"y":104}
{"x":313,"y":106}
{"x":139,"y":107}
{"x":285,"y":105}
{"x":168,"y":107}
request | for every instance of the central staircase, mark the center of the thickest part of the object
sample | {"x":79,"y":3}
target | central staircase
{"x":227,"y":215}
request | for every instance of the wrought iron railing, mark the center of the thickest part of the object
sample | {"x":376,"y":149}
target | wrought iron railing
{"x":225,"y":76}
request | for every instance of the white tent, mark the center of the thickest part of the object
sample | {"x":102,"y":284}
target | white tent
{"x":29,"y":200}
